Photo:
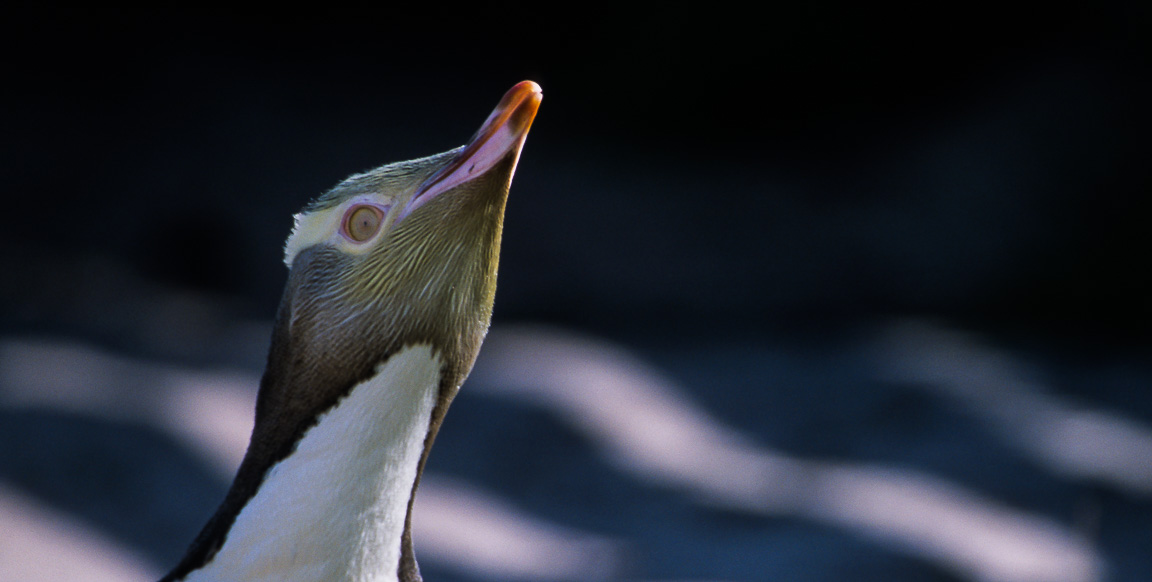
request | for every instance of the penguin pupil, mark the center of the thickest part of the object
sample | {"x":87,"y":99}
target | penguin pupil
{"x":363,"y":223}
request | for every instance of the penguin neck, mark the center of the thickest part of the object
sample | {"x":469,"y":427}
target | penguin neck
{"x":337,"y":507}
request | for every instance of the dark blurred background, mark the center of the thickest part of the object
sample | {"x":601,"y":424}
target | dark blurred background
{"x":697,"y":170}
{"x":699,"y":176}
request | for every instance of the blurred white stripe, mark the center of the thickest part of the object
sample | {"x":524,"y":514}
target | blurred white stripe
{"x":211,"y":411}
{"x":1072,"y":440}
{"x":457,"y":524}
{"x":38,"y":544}
{"x":652,"y":431}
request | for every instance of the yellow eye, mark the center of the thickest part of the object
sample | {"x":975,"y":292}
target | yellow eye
{"x":362,"y":222}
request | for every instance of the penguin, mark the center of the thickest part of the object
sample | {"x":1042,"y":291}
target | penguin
{"x":392,"y":275}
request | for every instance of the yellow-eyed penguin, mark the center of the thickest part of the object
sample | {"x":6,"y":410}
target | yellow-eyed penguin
{"x":391,"y":279}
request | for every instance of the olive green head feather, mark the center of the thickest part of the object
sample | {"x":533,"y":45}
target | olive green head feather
{"x":410,"y":250}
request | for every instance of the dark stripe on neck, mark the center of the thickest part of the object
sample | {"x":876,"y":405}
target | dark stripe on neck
{"x":299,"y":385}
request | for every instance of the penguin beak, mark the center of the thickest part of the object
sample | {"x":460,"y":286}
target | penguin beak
{"x":501,"y":135}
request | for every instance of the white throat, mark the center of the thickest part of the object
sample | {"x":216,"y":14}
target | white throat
{"x":335,"y":508}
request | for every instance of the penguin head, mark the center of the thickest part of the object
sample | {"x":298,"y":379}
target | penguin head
{"x":408,"y":252}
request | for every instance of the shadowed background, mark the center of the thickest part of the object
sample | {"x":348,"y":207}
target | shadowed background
{"x":751,"y":207}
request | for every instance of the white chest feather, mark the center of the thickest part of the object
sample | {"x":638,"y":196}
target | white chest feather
{"x":335,"y":508}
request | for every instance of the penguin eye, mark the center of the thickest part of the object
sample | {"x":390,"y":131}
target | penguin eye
{"x":361,"y":222}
